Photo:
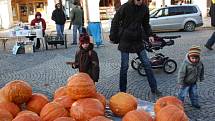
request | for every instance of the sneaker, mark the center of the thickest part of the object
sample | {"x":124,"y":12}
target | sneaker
{"x":74,"y":44}
{"x":196,"y":106}
{"x":157,"y":92}
{"x":209,"y":48}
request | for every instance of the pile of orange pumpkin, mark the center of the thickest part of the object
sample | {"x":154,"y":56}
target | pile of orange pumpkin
{"x":79,"y":101}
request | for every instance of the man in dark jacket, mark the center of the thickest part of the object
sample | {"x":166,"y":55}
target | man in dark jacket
{"x":211,"y":41}
{"x":59,"y":17}
{"x":76,"y":21}
{"x":129,"y":27}
{"x":39,"y":20}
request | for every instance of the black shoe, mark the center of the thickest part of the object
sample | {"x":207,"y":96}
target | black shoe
{"x":157,"y":92}
{"x":209,"y":48}
{"x":196,"y":106}
{"x":74,"y":44}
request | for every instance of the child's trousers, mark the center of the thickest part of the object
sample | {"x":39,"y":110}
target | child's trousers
{"x":193,"y":94}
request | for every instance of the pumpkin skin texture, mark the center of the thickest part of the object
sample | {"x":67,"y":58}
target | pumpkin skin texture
{"x":100,"y":118}
{"x":85,"y":109}
{"x":101,"y":98}
{"x":171,"y":113}
{"x":137,"y":115}
{"x":164,"y":101}
{"x":11,"y":107}
{"x":5,"y":115}
{"x":64,"y":119}
{"x":17,"y":91}
{"x":53,"y":110}
{"x":36,"y":102}
{"x":66,"y":101}
{"x":61,"y":91}
{"x":27,"y":116}
{"x":80,"y":85}
{"x":121,"y":103}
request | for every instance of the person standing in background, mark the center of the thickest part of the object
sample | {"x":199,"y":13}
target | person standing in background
{"x":77,"y":21}
{"x":211,"y":40}
{"x":130,"y":28}
{"x":59,"y":17}
{"x":38,"y":19}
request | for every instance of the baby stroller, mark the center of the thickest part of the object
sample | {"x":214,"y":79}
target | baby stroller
{"x":158,"y":61}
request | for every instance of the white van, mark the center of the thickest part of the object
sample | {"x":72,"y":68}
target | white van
{"x":176,"y":17}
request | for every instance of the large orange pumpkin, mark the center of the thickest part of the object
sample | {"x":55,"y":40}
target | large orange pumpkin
{"x":17,"y":91}
{"x":5,"y":115}
{"x":87,"y":108}
{"x":66,"y":101}
{"x":101,"y":98}
{"x":137,"y":115}
{"x":121,"y":103}
{"x":80,"y":85}
{"x":64,"y":119}
{"x":100,"y":118}
{"x":11,"y":107}
{"x":164,"y":101}
{"x":60,"y":92}
{"x":37,"y":102}
{"x":53,"y":110}
{"x":27,"y":116}
{"x":171,"y":113}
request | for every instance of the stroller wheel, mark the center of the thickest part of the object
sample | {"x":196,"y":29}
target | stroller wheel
{"x":135,"y":63}
{"x":170,"y":66}
{"x":141,"y":70}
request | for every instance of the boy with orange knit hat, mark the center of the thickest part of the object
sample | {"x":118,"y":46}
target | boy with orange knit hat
{"x":190,"y":72}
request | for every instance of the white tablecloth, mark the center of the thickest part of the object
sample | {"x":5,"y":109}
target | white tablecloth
{"x":25,"y":33}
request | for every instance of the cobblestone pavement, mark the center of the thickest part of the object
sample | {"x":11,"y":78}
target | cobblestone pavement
{"x":46,"y":71}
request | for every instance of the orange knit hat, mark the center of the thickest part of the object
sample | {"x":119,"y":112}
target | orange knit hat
{"x":194,"y":51}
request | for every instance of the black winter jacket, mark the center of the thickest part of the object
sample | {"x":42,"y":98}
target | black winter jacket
{"x":130,"y":26}
{"x":59,"y":16}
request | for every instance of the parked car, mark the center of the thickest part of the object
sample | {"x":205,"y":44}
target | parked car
{"x":176,"y":17}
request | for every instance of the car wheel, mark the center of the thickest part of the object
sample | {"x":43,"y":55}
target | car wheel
{"x":189,"y":26}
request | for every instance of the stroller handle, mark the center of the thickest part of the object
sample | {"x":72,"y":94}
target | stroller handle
{"x":171,"y":37}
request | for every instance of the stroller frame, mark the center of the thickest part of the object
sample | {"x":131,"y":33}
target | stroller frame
{"x":158,"y":61}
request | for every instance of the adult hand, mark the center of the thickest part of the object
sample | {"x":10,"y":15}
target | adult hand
{"x":151,"y":39}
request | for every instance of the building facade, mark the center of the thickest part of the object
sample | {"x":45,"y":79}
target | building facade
{"x":14,"y":11}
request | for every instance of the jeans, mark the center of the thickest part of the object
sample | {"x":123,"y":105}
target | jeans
{"x":192,"y":90}
{"x":211,"y":41}
{"x":60,"y":30}
{"x":147,"y":66}
{"x":95,"y":30}
{"x":75,"y":28}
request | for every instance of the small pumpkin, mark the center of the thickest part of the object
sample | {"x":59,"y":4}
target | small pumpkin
{"x":5,"y":115}
{"x":164,"y":101}
{"x":53,"y":110}
{"x":100,"y":118}
{"x":61,"y":91}
{"x":66,"y":101}
{"x":36,"y":102}
{"x":87,"y":108}
{"x":11,"y":107}
{"x":171,"y":113}
{"x":101,"y":98}
{"x":80,"y":85}
{"x":17,"y":91}
{"x":121,"y":103}
{"x":137,"y":115}
{"x":64,"y":119}
{"x":27,"y":116}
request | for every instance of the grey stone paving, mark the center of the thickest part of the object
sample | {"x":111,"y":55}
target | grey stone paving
{"x":46,"y":71}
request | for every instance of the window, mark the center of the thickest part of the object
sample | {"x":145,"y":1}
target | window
{"x":189,"y":9}
{"x":162,"y":12}
{"x":175,"y":11}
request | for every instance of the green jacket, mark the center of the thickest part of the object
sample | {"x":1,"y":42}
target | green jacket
{"x":190,"y":73}
{"x":76,"y":16}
